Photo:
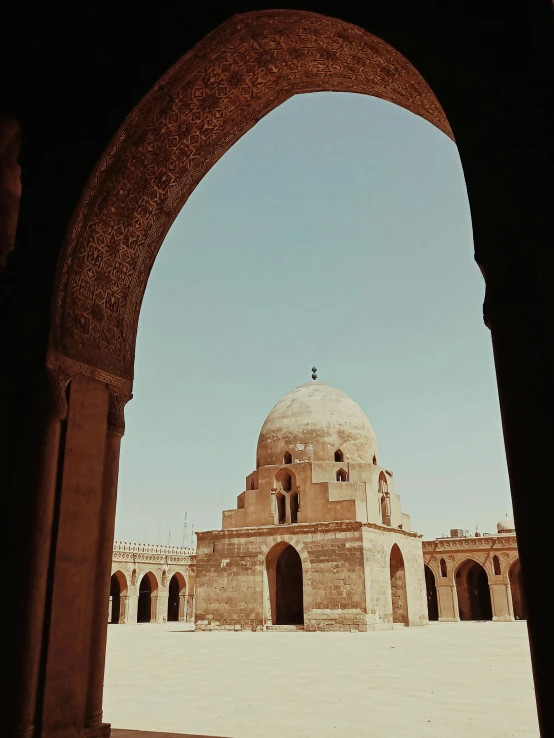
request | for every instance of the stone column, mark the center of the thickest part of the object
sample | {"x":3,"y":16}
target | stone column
{"x":448,"y":602}
{"x":94,"y":727}
{"x":163,"y":600}
{"x":154,"y":608}
{"x":74,"y":564}
{"x":182,"y":608}
{"x":32,"y":623}
{"x":132,"y":607}
{"x":519,"y":311}
{"x":500,"y":601}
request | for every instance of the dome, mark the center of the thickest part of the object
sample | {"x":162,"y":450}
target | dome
{"x":506,"y":525}
{"x":313,"y":423}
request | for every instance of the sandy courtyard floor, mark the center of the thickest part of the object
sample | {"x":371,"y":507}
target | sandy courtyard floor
{"x":448,"y":680}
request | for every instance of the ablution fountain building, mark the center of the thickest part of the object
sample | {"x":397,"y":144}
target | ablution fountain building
{"x":318,"y":541}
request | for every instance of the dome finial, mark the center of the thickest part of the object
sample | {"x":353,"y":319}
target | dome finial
{"x":314,"y":372}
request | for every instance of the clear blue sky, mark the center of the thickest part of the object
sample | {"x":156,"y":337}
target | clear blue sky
{"x":337,"y":233}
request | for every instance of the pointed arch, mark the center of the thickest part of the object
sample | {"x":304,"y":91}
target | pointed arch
{"x":137,"y":190}
{"x":285,"y":579}
{"x":148,"y":598}
{"x":339,"y":456}
{"x":431,"y":588}
{"x":119,"y":595}
{"x":176,"y":601}
{"x":472,"y":589}
{"x":399,"y":593}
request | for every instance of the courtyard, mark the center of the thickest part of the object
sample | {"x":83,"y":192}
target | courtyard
{"x":448,"y":679}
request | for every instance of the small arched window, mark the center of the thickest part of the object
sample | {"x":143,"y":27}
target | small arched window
{"x":252,"y":486}
{"x":342,"y":476}
{"x":496,"y":565}
{"x":444,"y":570}
{"x":339,"y":456}
{"x":375,"y":459}
{"x":287,"y":458}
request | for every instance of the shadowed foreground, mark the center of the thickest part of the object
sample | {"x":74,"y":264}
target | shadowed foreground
{"x":455,"y":679}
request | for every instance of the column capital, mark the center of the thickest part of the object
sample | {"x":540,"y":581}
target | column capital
{"x":116,"y":411}
{"x":57,"y":382}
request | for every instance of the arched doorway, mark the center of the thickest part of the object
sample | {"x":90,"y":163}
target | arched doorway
{"x":147,"y":601}
{"x":472,"y":587}
{"x":118,"y":598}
{"x":518,"y":601}
{"x":286,"y":586}
{"x":432,"y":601}
{"x":177,"y":598}
{"x":398,"y":586}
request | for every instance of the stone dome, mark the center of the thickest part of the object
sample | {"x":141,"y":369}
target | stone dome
{"x":506,"y":525}
{"x":312,"y":423}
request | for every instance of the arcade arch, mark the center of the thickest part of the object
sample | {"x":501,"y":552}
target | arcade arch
{"x":135,"y":193}
{"x":118,"y":598}
{"x":176,"y":602}
{"x":147,"y":608}
{"x":472,"y":588}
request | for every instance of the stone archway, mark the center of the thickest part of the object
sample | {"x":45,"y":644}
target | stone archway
{"x":147,"y":600}
{"x":286,"y":585}
{"x":118,"y":598}
{"x":191,"y":117}
{"x":399,"y":592}
{"x":176,"y":602}
{"x":431,"y":587}
{"x":472,"y":587}
{"x":516,"y":588}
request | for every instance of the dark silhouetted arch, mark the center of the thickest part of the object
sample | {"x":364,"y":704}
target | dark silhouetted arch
{"x":432,"y":601}
{"x":176,"y":600}
{"x":286,"y":588}
{"x":147,"y":601}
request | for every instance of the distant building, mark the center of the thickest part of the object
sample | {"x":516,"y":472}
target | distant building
{"x":318,"y":541}
{"x":474,"y":577}
{"x":151,"y":584}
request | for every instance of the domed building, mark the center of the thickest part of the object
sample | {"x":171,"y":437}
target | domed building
{"x":318,"y":540}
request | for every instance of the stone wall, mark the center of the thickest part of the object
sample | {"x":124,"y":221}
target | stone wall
{"x":378,"y":544}
{"x":346,"y":576}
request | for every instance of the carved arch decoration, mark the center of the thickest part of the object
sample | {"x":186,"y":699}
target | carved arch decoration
{"x":237,"y":74}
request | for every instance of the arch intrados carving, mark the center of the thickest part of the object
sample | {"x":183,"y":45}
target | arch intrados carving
{"x":218,"y":91}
